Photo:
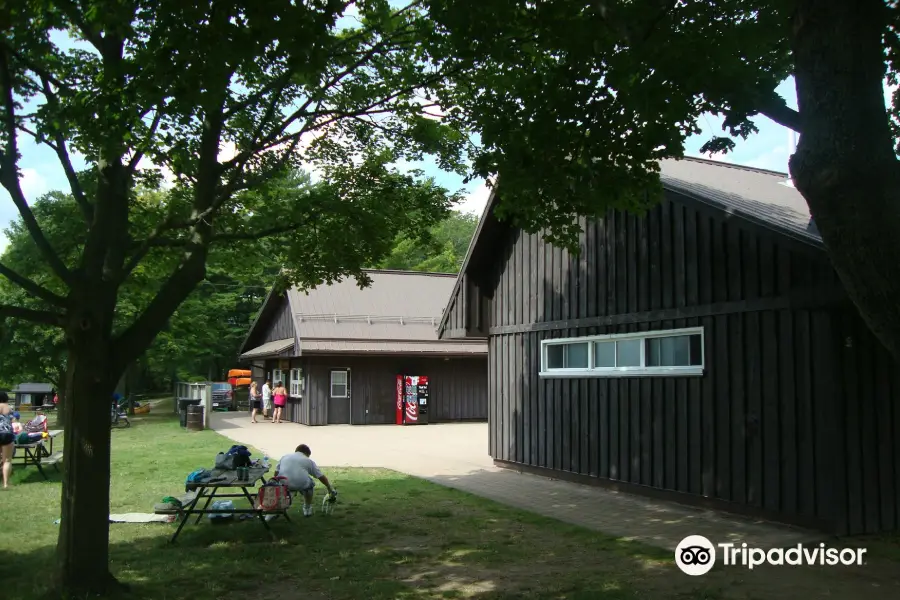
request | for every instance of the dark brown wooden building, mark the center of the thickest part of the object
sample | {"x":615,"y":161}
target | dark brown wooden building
{"x":339,"y":348}
{"x":705,"y":353}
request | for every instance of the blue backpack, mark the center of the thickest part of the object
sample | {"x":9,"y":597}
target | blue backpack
{"x":198,"y":476}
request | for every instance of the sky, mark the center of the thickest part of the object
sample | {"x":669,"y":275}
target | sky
{"x":769,"y":149}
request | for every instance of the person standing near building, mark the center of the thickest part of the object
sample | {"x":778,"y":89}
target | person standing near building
{"x":254,"y":402}
{"x":266,"y":398}
{"x":279,"y":399}
{"x":7,"y":439}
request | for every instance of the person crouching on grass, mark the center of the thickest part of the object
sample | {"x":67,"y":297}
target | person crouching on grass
{"x":300,"y":469}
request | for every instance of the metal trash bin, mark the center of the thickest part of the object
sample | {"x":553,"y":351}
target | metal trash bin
{"x":194,"y":419}
{"x":183,"y":404}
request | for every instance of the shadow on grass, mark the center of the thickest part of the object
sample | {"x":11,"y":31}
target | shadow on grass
{"x":390,"y":537}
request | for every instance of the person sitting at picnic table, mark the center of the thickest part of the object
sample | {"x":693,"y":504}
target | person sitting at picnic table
{"x":7,"y":438}
{"x":300,"y":469}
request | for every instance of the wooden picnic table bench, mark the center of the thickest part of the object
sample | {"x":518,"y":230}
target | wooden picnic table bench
{"x":221,"y":481}
{"x":37,"y":454}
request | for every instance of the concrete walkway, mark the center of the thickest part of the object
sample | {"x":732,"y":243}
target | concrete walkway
{"x":456,"y":455}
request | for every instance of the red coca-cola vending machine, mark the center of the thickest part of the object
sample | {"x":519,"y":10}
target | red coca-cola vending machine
{"x":412,"y":400}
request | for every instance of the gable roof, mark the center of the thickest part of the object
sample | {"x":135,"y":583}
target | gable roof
{"x":398,"y":313}
{"x":766,"y":198}
{"x":33,"y":388}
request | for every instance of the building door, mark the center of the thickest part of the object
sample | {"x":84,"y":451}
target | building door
{"x":339,"y":396}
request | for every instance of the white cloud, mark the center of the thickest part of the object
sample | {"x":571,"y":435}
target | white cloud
{"x":476,"y":200}
{"x":34,"y":185}
{"x":775,"y":159}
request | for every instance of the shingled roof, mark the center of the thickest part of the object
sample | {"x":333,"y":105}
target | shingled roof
{"x":397,"y":314}
{"x":764,"y":197}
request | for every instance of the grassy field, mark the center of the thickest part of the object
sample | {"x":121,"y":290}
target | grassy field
{"x":391,"y":537}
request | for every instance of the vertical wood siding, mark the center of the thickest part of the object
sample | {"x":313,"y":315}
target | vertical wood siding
{"x":458,"y":387}
{"x":278,"y":325}
{"x":757,"y":430}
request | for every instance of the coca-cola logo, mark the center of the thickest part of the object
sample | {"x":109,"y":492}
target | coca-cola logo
{"x":411,"y":411}
{"x":399,"y":393}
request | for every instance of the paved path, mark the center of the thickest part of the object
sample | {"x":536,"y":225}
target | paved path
{"x":456,"y":455}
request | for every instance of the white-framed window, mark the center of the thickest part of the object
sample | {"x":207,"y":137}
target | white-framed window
{"x":277,"y":375}
{"x":661,"y":353}
{"x":339,"y":384}
{"x":296,"y":383}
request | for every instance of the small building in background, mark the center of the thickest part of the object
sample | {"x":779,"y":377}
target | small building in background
{"x":339,"y":349}
{"x":32,"y":394}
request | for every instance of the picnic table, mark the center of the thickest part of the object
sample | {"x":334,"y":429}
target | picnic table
{"x":221,"y":482}
{"x":37,"y":454}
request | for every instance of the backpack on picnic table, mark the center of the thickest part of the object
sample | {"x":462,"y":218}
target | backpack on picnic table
{"x":37,"y":425}
{"x":274,"y":495}
{"x":237,"y":456}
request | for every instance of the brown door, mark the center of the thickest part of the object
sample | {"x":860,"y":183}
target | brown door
{"x":338,"y":396}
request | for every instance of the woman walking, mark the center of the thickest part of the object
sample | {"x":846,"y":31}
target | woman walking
{"x":279,"y":399}
{"x":7,"y":439}
{"x":254,"y":402}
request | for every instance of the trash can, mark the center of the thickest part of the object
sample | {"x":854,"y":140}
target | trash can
{"x":194,"y":417}
{"x":183,"y":404}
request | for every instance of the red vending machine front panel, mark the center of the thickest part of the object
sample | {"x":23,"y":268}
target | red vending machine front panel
{"x":411,"y":401}
{"x":399,"y":408}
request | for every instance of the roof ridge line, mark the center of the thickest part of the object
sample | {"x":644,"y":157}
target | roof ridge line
{"x":403,"y":272}
{"x":730,"y":165}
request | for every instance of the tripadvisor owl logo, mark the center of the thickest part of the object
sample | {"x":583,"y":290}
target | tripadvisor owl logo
{"x":695,"y":555}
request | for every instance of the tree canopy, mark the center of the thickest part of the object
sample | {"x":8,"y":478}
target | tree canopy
{"x":442,"y":251}
{"x":202,"y":337}
{"x":227,"y":99}
{"x":575,"y":103}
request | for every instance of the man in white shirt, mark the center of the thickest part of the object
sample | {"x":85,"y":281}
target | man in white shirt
{"x":266,"y":398}
{"x":300,"y":469}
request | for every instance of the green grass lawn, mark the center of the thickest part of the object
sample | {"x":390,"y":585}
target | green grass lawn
{"x":392,"y":536}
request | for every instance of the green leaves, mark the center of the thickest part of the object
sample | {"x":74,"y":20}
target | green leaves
{"x":442,"y":250}
{"x":575,"y":103}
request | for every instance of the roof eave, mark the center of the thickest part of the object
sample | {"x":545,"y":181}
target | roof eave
{"x":811,"y":240}
{"x":465,"y":265}
{"x":253,"y":325}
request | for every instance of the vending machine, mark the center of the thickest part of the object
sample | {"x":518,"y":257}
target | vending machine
{"x":412,"y":400}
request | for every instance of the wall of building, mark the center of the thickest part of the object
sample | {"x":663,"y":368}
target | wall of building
{"x":866,"y":458}
{"x":458,"y":387}
{"x":755,"y":433}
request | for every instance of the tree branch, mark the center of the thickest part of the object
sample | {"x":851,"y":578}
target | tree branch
{"x":71,"y":11}
{"x":774,"y":107}
{"x":9,"y":173}
{"x":227,"y":237}
{"x":62,"y":153}
{"x":139,"y":154}
{"x":32,"y":288}
{"x":35,"y":316}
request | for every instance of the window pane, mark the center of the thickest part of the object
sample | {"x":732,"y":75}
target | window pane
{"x":555,"y":356}
{"x":338,"y":377}
{"x":674,"y":351}
{"x":628,"y":353}
{"x":577,"y":356}
{"x":696,"y":350}
{"x":604,"y":354}
{"x":338,"y":391}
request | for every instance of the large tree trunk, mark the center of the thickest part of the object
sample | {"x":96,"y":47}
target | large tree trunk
{"x":83,"y":547}
{"x":845,"y":164}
